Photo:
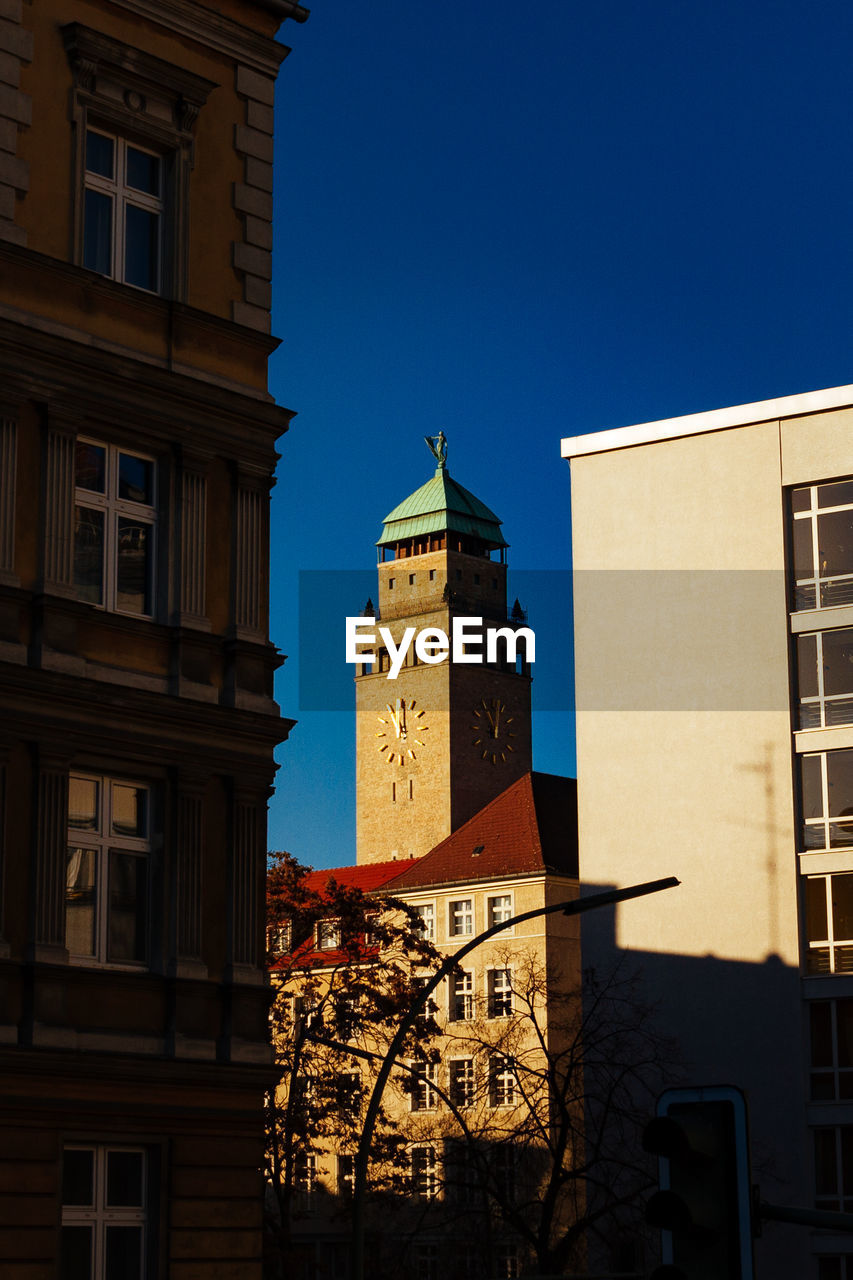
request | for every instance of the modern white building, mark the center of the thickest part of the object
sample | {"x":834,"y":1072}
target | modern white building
{"x":713,"y":584}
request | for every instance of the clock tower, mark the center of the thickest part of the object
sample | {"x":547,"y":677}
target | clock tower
{"x":436,"y":744}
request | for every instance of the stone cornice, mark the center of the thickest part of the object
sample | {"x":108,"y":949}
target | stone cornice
{"x":204,"y":26}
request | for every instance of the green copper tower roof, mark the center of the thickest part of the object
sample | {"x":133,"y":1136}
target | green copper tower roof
{"x":441,"y":506}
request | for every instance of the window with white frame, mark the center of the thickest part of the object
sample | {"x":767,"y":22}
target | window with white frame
{"x":833,"y":1162}
{"x":426,"y":1261}
{"x":423,"y":1096}
{"x":461,"y":996}
{"x":115,"y":518}
{"x":424,"y":1171}
{"x":426,"y":924}
{"x":831,"y":1039}
{"x":499,"y":909}
{"x":834,"y":1266}
{"x":829,"y":923}
{"x":430,"y":1008}
{"x":826,"y":794}
{"x":107,"y":870}
{"x":503,"y":1171}
{"x":346,"y":1174}
{"x":123,"y":205}
{"x":822,"y":520}
{"x":461,"y":918}
{"x":305,"y":1174}
{"x":462,"y":1180}
{"x":501,"y":1081}
{"x":104,"y":1213}
{"x":825,"y":678}
{"x":280,"y":938}
{"x":500,"y":993}
{"x":506,"y":1258}
{"x":328,"y":935}
{"x":463,"y":1082}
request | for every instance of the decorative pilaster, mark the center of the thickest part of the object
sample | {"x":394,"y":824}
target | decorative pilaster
{"x":248,"y":858}
{"x":48,"y":881}
{"x":193,"y":587}
{"x":8,"y":484}
{"x":251,"y":550}
{"x":59,"y":510}
{"x":189,"y":850}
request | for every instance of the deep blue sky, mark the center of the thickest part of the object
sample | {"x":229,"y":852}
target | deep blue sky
{"x":520,"y":222}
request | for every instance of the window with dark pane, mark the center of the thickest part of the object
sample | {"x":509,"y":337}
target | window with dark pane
{"x":115,"y":525}
{"x":822,"y":545}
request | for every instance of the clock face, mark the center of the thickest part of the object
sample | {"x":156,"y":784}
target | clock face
{"x":493,"y":730}
{"x":400,"y":735}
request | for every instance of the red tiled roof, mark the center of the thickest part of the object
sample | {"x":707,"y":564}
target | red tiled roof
{"x":530,"y":827}
{"x":367,"y":877}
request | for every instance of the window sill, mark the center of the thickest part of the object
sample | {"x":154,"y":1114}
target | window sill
{"x":840,"y":735}
{"x":840,"y":615}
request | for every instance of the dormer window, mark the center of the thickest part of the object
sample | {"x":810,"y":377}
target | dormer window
{"x":328,"y":935}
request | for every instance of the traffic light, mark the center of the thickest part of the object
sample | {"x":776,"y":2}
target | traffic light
{"x":703,"y":1206}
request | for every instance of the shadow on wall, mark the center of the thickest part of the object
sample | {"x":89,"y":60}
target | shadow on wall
{"x":736,"y":1023}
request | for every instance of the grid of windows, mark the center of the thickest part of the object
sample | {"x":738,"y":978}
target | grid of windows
{"x":823,"y":545}
{"x":462,"y":996}
{"x":106,"y":875}
{"x":114,"y":523}
{"x":461,"y":918}
{"x":831,"y":1036}
{"x":500,"y":993}
{"x":463,"y":1082}
{"x":123,"y":211}
{"x":826,"y":789}
{"x":829,"y":923}
{"x":104,"y":1213}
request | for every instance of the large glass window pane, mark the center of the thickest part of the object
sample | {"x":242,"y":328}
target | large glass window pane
{"x":801,"y":499}
{"x":77,"y":1177}
{"x":76,"y":1261}
{"x":89,"y":554}
{"x":100,"y":153}
{"x":838,"y":494}
{"x":123,"y":1247}
{"x":135,"y":479}
{"x":83,"y":803}
{"x":143,"y":171}
{"x":826,"y":1167}
{"x":129,"y":810}
{"x":90,"y":466}
{"x":807,"y":666}
{"x":81,"y":901}
{"x":842,"y":906}
{"x":128,"y":903}
{"x":839,"y":771}
{"x":838,"y":661}
{"x":133,"y":566}
{"x":835,"y":543}
{"x":803,"y":553}
{"x":141,"y":247}
{"x":816,"y":920}
{"x":811,"y":786}
{"x":124,"y":1179}
{"x":844,"y":1022}
{"x":98,"y":232}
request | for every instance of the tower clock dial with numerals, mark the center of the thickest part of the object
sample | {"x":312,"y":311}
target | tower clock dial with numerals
{"x":399,"y":737}
{"x":493,"y":729}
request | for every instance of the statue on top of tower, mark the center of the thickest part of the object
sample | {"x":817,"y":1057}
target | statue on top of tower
{"x":437,"y":446}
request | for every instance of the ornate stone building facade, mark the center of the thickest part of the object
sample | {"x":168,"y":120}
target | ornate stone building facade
{"x":137,"y":450}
